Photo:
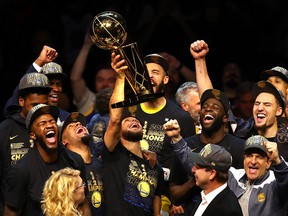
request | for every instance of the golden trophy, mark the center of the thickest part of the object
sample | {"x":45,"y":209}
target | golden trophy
{"x":108,"y":31}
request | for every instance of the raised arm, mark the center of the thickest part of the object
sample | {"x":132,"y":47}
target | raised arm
{"x":78,"y":83}
{"x":113,"y":132}
{"x":199,"y":50}
{"x":179,"y":145}
{"x":47,"y":54}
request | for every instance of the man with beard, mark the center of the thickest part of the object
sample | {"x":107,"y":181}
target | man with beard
{"x":154,"y":113}
{"x":25,"y":180}
{"x":269,"y":104}
{"x":75,"y":137}
{"x":44,"y":65}
{"x":213,"y":118}
{"x":15,"y":142}
{"x":132,"y":186}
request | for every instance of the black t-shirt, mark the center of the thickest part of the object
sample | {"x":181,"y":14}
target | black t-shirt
{"x":95,"y":186}
{"x":130,"y":183}
{"x":25,"y":181}
{"x":154,"y":136}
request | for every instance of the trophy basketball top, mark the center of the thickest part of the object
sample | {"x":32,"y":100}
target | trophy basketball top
{"x":108,"y":30}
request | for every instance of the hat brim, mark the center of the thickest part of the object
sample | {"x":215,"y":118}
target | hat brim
{"x":264,"y":86}
{"x":157,"y":59}
{"x":52,"y":110}
{"x":73,"y":117}
{"x":195,"y":158}
{"x":218,"y":95}
{"x":268,"y":73}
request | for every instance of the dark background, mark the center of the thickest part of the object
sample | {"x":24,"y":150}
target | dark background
{"x":252,"y":34}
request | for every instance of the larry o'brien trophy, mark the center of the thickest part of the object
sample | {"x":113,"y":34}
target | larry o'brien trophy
{"x":108,"y":31}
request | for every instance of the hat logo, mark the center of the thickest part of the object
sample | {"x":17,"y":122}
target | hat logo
{"x":216,"y":93}
{"x":206,"y":151}
{"x":74,"y":116}
{"x":36,"y":80}
{"x":255,"y":140}
{"x":261,"y":84}
{"x":261,"y":197}
{"x":280,"y":69}
{"x":45,"y":109}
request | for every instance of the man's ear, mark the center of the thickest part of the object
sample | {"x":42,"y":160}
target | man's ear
{"x":165,"y":79}
{"x":279,"y":111}
{"x":32,"y":136}
{"x":64,"y":142}
{"x":184,"y":106}
{"x":21,"y":101}
{"x":225,"y":118}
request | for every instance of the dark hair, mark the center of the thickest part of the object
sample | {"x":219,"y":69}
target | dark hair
{"x":221,"y":176}
{"x":40,"y":91}
{"x":102,"y":101}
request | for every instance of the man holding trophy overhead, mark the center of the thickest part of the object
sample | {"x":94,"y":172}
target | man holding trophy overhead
{"x":147,"y":78}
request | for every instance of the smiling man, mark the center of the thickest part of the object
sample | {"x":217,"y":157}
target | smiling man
{"x":213,"y":118}
{"x":26,"y":179}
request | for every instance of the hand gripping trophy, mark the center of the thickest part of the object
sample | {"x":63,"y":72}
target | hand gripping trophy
{"x":108,"y":32}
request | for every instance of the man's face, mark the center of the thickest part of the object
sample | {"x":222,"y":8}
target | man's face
{"x":255,"y":164}
{"x":131,"y":129}
{"x":54,"y":95}
{"x":105,"y":78}
{"x":31,"y":101}
{"x":45,"y":130}
{"x":201,"y":176}
{"x":193,"y":105}
{"x":265,"y":111}
{"x":158,"y":77}
{"x":74,"y":132}
{"x":212,"y":115}
{"x":231,"y":75}
{"x":244,"y":105}
{"x":279,"y":83}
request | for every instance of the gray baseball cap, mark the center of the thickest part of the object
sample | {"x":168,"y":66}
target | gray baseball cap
{"x":255,"y":142}
{"x":53,"y":69}
{"x":34,"y":80}
{"x":39,"y":110}
{"x":212,"y":155}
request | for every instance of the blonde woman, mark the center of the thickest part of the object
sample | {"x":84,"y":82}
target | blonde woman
{"x":63,"y":193}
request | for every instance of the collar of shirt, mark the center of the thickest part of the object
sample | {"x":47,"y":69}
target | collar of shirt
{"x":210,"y":196}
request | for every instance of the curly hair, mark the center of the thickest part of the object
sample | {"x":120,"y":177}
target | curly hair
{"x":57,"y":196}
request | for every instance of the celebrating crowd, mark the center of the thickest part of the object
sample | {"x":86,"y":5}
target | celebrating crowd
{"x":191,"y":149}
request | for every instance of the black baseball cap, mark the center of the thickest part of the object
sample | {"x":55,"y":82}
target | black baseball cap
{"x":157,"y":59}
{"x":264,"y":86}
{"x":39,"y":110}
{"x":73,"y":117}
{"x":212,"y":155}
{"x":217,"y":94}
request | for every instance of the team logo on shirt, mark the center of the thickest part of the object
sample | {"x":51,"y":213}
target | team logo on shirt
{"x":96,"y":199}
{"x":144,"y":188}
{"x":261,"y":197}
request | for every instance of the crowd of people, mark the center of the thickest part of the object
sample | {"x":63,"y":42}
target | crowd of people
{"x":196,"y":147}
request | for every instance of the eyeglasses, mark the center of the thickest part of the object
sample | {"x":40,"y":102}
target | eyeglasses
{"x":82,"y":185}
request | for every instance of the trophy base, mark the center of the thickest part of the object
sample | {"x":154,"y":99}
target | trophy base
{"x":137,"y":100}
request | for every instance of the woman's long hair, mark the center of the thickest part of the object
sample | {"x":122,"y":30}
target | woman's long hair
{"x":58,"y":193}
